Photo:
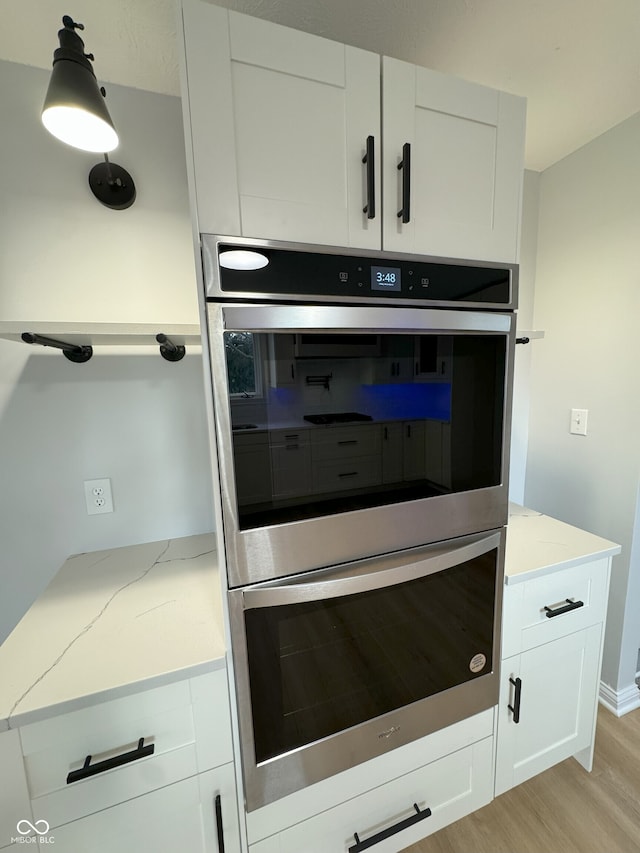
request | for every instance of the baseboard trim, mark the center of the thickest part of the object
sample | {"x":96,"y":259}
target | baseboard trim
{"x":620,"y":702}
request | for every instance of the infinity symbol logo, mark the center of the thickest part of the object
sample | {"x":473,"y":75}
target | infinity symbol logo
{"x":41,"y":827}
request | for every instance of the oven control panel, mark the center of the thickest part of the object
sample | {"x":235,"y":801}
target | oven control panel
{"x":325,"y":274}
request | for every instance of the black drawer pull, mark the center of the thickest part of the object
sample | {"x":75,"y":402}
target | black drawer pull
{"x":420,"y":814}
{"x":570,"y":605}
{"x":89,"y":769}
{"x":350,"y":441}
{"x":515,"y":710}
{"x":349,"y":474}
{"x":219,"y":830}
{"x":405,"y":166}
{"x":369,"y":161}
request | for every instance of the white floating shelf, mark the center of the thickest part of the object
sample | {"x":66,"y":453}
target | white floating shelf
{"x":536,"y":334}
{"x":104,"y":334}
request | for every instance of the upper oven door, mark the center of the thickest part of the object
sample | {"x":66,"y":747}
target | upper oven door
{"x":394,"y":433}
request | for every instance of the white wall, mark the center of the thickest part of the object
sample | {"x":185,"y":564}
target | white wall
{"x":524,"y":352}
{"x":134,"y":418}
{"x":587,"y":299}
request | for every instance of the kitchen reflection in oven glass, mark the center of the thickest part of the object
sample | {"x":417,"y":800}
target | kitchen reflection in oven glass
{"x":329,"y":423}
{"x":319,"y":667}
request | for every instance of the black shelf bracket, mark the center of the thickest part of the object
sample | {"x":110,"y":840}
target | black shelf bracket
{"x":74,"y":352}
{"x":169,"y":350}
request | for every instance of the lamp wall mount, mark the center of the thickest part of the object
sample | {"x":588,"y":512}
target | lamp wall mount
{"x":112,"y":185}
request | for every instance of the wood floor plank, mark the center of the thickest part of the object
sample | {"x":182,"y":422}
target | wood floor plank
{"x":563,"y":810}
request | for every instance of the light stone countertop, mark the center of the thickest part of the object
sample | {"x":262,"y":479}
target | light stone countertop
{"x":111,"y":623}
{"x":539,"y":545}
{"x":118,"y":621}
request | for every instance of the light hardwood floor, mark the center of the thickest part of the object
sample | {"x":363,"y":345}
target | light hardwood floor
{"x":565,"y":809}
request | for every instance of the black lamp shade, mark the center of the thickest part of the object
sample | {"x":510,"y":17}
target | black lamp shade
{"x":74,"y":109}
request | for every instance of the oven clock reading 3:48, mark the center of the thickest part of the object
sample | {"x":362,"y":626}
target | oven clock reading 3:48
{"x":386,"y":278}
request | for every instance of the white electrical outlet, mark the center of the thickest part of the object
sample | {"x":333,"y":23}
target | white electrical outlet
{"x":97,"y":495}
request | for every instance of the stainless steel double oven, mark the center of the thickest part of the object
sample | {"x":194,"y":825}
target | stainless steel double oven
{"x":362,"y":416}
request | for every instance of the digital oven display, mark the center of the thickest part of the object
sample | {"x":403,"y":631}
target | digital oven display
{"x":386,"y":278}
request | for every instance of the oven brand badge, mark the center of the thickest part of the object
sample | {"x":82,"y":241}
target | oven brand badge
{"x":477,"y":663}
{"x":388,"y":732}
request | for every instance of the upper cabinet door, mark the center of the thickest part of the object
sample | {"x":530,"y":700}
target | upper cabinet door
{"x":466,"y":165}
{"x":279,"y":127}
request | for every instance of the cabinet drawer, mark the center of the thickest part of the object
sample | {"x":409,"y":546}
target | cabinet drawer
{"x":528,"y":622}
{"x":175,"y":818}
{"x":166,"y":718}
{"x":345,"y":442}
{"x":291,"y":470}
{"x":288,"y":437}
{"x":450,"y":787}
{"x":357,"y":473}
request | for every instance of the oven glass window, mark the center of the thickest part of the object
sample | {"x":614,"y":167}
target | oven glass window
{"x":320,"y":667}
{"x":328,"y":423}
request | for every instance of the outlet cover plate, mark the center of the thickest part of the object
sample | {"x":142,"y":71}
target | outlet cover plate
{"x":97,"y":496}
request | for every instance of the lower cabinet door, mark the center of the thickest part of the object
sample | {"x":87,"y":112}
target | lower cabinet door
{"x":395,"y":815}
{"x":184,"y":816}
{"x":548,"y":701}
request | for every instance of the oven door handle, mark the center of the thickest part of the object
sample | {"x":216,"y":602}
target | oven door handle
{"x":370,"y":574}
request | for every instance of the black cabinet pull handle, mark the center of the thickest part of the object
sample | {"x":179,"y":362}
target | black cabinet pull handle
{"x":405,"y":165}
{"x":386,"y":434}
{"x":369,"y":161}
{"x":570,"y":605}
{"x":515,"y":710}
{"x":349,"y":474}
{"x":219,"y":829}
{"x":408,"y":430}
{"x":349,"y":441}
{"x":420,"y":814}
{"x":89,"y":769}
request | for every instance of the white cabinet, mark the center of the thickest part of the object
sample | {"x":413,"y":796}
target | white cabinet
{"x":392,"y":452}
{"x":189,"y":815}
{"x":346,"y":457}
{"x":252,"y":463}
{"x":413,"y":450}
{"x":433,"y":358}
{"x":282,"y":362}
{"x":438,"y":452}
{"x":290,"y":462}
{"x":466,"y":164}
{"x":552,"y":649}
{"x":143,"y":771}
{"x":14,"y":796}
{"x":279,"y":123}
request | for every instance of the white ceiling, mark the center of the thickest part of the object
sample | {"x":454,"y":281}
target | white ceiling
{"x":577,"y":61}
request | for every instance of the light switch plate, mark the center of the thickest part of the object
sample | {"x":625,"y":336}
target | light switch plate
{"x":578,"y":421}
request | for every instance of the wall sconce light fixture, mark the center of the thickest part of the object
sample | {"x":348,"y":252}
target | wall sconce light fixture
{"x":75,"y":112}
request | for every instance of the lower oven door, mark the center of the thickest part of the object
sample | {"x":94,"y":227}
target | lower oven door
{"x":337,"y":666}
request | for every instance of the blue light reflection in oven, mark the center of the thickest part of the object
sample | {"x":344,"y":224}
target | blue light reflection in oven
{"x":408,"y":401}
